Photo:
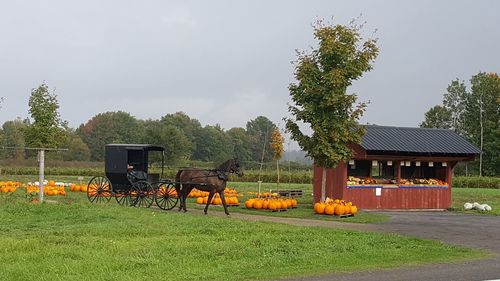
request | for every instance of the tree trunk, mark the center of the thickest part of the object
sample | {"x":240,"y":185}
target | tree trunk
{"x":481,"y":136}
{"x":323,"y":184}
{"x":278,"y":170}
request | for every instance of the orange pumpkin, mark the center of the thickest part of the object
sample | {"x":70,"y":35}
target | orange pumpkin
{"x":272,"y":205}
{"x":354,"y":209}
{"x":249,"y":203}
{"x":199,"y":200}
{"x":329,"y":209}
{"x":257,"y":204}
{"x":265,"y":204}
{"x":339,"y":210}
{"x":320,"y":208}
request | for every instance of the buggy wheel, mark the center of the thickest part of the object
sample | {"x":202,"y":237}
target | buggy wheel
{"x":123,"y":198}
{"x":166,"y":197}
{"x":99,"y":190}
{"x":141,"y":194}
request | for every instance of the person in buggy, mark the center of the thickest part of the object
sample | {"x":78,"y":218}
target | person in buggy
{"x":134,"y":175}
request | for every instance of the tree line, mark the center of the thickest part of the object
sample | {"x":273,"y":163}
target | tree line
{"x":474,"y":114}
{"x":183,"y":137}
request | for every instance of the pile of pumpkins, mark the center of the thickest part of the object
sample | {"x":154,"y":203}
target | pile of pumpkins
{"x":271,"y":204}
{"x":336,"y":207}
{"x":195,"y":193}
{"x":9,"y":186}
{"x":50,"y":189}
{"x":78,"y":187}
{"x":216,"y":200}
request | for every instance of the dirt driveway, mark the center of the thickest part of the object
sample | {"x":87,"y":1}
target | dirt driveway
{"x":473,"y":231}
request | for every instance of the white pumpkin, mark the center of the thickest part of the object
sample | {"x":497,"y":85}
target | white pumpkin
{"x":468,"y":206}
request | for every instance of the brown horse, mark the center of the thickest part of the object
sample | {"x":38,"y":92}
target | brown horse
{"x":206,"y":180}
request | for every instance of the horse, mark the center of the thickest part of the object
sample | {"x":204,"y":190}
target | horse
{"x":206,"y":180}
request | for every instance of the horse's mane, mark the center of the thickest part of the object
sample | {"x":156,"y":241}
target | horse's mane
{"x":225,"y":166}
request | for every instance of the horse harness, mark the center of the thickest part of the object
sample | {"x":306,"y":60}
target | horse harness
{"x":218,"y":173}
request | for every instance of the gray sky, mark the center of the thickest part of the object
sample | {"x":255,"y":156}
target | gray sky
{"x":227,"y":62}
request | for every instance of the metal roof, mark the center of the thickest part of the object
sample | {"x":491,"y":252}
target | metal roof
{"x":415,"y":140}
{"x":149,"y":147}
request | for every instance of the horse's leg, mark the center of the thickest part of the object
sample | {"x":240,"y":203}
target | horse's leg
{"x":210,"y":196}
{"x":184,"y":196}
{"x":179,"y":194}
{"x":221,"y":194}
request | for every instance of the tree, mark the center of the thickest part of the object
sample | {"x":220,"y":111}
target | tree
{"x":259,"y":131}
{"x":77,"y":149}
{"x":437,"y":117}
{"x":109,"y":127}
{"x":176,"y":143}
{"x":241,"y":143}
{"x":482,"y":120}
{"x":46,"y":129}
{"x":474,"y":114}
{"x":320,"y":97}
{"x":13,"y":136}
{"x":277,"y":147}
{"x":189,"y":127}
{"x":454,"y":101}
{"x":212,"y":145}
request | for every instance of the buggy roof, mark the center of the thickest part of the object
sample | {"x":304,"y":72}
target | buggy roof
{"x":148,"y":147}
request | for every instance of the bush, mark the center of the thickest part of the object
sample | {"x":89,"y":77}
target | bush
{"x":476,"y":182}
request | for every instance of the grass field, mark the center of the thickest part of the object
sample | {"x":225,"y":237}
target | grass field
{"x":70,"y":239}
{"x":480,"y":195}
{"x":460,"y":196}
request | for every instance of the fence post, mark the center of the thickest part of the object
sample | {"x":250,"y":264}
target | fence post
{"x":41,"y":159}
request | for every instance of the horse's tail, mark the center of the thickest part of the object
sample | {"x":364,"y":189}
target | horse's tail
{"x":178,"y":180}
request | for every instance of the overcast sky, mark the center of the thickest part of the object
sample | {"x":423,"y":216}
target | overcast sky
{"x":228,"y":62}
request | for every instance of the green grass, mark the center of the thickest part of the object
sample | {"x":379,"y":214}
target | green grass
{"x":480,"y":195}
{"x":75,"y":240}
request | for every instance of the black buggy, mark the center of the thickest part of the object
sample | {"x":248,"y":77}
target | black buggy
{"x":128,"y":181}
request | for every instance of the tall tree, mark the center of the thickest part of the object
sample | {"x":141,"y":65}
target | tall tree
{"x":188,"y":126}
{"x":109,"y":127}
{"x":454,"y":101}
{"x":77,"y":149}
{"x":176,"y":143}
{"x":241,"y":144}
{"x":437,"y":117}
{"x":474,"y":114}
{"x":46,"y":129}
{"x":320,"y":97}
{"x":482,"y":120}
{"x":13,"y":136}
{"x":212,"y":145}
{"x":259,"y":131}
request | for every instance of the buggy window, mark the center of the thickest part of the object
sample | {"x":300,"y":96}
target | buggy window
{"x":136,"y":159}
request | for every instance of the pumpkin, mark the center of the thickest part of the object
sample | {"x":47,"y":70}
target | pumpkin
{"x":319,"y":208}
{"x":339,"y":210}
{"x":329,"y":209}
{"x":257,"y":204}
{"x":249,"y":203}
{"x":265,"y":204}
{"x":199,"y":200}
{"x":294,"y":203}
{"x":354,"y":209}
{"x":272,"y":205}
